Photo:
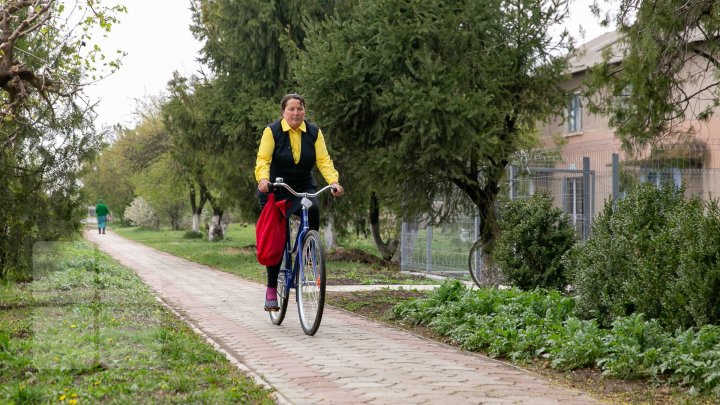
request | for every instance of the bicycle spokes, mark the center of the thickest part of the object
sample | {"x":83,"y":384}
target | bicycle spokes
{"x":311,"y":283}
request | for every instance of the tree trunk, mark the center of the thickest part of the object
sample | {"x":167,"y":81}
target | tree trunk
{"x":197,"y":207}
{"x":329,"y":233}
{"x":484,"y":197}
{"x":175,"y":222}
{"x":196,"y":222}
{"x":216,"y":231}
{"x":387,"y":250}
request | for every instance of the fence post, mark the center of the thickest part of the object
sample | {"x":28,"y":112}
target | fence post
{"x":429,"y":249}
{"x":513,"y":173}
{"x":586,"y":197}
{"x":615,"y":177}
{"x":477,"y":227}
{"x":403,"y":231}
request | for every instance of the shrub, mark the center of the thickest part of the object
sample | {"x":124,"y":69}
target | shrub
{"x":534,"y":236}
{"x":192,"y":235}
{"x":696,"y":286}
{"x":654,"y":252}
{"x":140,"y":213}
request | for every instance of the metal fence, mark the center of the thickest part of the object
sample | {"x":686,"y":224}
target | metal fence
{"x":439,"y":250}
{"x":581,"y":178}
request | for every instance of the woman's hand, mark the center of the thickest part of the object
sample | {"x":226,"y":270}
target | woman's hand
{"x":263,"y":185}
{"x":337,"y":189}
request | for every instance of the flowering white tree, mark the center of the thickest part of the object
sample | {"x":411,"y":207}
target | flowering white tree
{"x":140,"y":213}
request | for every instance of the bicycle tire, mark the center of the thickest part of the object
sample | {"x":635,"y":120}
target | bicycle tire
{"x":481,"y":271}
{"x":311,"y":283}
{"x":277,"y":317}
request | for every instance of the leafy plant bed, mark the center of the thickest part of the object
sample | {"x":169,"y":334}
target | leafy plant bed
{"x":541,"y":327}
{"x":379,"y":305}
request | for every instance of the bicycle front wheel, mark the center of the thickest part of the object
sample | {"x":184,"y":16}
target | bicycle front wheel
{"x":482,"y":272}
{"x":311,"y":283}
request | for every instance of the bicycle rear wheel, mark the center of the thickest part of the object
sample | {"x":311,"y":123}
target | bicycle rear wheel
{"x":277,"y":317}
{"x":482,"y":271}
{"x":311,"y":283}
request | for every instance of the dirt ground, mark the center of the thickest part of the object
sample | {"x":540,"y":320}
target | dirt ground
{"x":355,"y":255}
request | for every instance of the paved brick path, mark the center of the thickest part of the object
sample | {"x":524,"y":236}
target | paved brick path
{"x":351,"y":360}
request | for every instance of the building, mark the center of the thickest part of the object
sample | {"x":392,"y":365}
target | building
{"x":576,"y":164}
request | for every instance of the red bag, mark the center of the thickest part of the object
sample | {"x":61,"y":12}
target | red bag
{"x":271,"y":231}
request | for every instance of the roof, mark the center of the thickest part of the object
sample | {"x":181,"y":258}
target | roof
{"x":590,"y":53}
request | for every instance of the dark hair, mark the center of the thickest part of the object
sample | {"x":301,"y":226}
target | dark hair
{"x":288,"y":97}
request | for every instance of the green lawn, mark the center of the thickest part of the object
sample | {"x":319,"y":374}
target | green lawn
{"x":87,"y":330}
{"x":236,"y":255}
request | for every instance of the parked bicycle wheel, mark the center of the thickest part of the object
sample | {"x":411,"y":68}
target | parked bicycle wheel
{"x":311,"y":283}
{"x":277,"y":317}
{"x":482,"y":271}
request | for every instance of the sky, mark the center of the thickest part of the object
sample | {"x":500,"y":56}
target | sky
{"x":155,"y":35}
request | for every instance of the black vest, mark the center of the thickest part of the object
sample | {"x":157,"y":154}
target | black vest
{"x":298,"y":175}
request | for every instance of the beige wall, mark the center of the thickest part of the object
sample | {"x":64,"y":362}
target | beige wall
{"x":597,"y":141}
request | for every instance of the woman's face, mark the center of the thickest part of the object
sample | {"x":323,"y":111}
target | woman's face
{"x":294,"y":113}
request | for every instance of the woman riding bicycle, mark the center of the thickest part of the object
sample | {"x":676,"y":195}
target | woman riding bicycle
{"x":289,"y":148}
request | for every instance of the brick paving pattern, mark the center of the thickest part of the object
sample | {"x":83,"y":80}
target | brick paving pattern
{"x":351,"y":360}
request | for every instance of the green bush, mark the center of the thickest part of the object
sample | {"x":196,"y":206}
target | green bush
{"x":654,"y":252}
{"x":534,"y":236}
{"x":192,"y":235}
{"x":698,"y":274}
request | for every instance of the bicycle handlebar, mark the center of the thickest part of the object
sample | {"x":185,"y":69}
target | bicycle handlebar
{"x":279,"y":183}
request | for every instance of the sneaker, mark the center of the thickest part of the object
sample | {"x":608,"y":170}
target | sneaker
{"x":271,"y":305}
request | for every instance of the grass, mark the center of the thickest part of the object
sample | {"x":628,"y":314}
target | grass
{"x":236,"y":255}
{"x":87,"y":330}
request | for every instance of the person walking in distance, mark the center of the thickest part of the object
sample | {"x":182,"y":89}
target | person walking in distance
{"x":101,"y":212}
{"x":289,"y":148}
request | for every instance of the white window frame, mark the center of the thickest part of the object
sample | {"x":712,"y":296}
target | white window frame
{"x":574,"y":113}
{"x":658,"y":177}
{"x":573,"y":201}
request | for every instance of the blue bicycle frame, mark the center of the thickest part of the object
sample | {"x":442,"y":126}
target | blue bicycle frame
{"x":291,"y":248}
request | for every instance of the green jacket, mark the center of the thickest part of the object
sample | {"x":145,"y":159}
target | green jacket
{"x":101,"y":210}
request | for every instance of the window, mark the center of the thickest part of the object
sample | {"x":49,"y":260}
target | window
{"x":574,"y":114}
{"x":621,"y":100}
{"x":662,"y":177}
{"x":573,"y":202}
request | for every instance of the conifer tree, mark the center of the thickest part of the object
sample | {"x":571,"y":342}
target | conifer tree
{"x":433,"y":98}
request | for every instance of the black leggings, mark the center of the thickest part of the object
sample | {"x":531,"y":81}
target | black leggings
{"x":314,"y":223}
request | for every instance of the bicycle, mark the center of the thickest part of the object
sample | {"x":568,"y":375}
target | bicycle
{"x":482,"y":271}
{"x":302,"y":268}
